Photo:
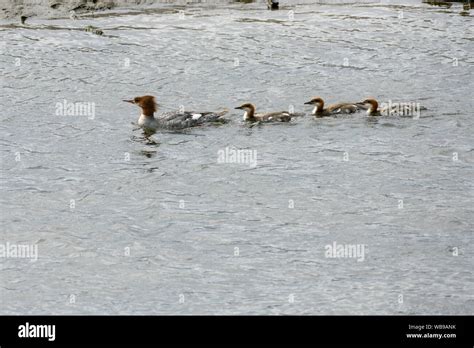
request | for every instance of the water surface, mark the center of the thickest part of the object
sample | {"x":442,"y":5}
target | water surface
{"x":129,"y":226}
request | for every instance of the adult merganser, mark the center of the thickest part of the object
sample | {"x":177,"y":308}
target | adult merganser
{"x":339,"y":108}
{"x":251,"y":116}
{"x":171,"y":120}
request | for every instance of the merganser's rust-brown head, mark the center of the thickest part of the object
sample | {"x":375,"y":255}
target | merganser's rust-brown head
{"x":318,"y":102}
{"x":146,"y":102}
{"x":373,"y":104}
{"x":249,"y":110}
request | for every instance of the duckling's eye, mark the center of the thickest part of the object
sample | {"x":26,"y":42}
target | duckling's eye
{"x":136,"y":100}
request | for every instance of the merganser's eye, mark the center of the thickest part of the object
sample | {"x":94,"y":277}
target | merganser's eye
{"x":136,"y":99}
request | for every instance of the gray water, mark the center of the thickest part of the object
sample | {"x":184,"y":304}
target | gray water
{"x":125,"y":225}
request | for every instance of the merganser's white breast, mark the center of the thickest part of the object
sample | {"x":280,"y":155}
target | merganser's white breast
{"x":147,"y":122}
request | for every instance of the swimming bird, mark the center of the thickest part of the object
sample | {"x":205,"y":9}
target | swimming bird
{"x":339,"y":108}
{"x":251,"y":116}
{"x":411,"y":109}
{"x":171,"y":120}
{"x":373,"y":108}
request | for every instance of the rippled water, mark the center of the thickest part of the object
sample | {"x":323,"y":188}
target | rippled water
{"x":129,"y":226}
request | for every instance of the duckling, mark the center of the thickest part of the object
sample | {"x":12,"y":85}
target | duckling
{"x":251,"y":116}
{"x":391,"y":109}
{"x":373,"y":108}
{"x":339,"y":108}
